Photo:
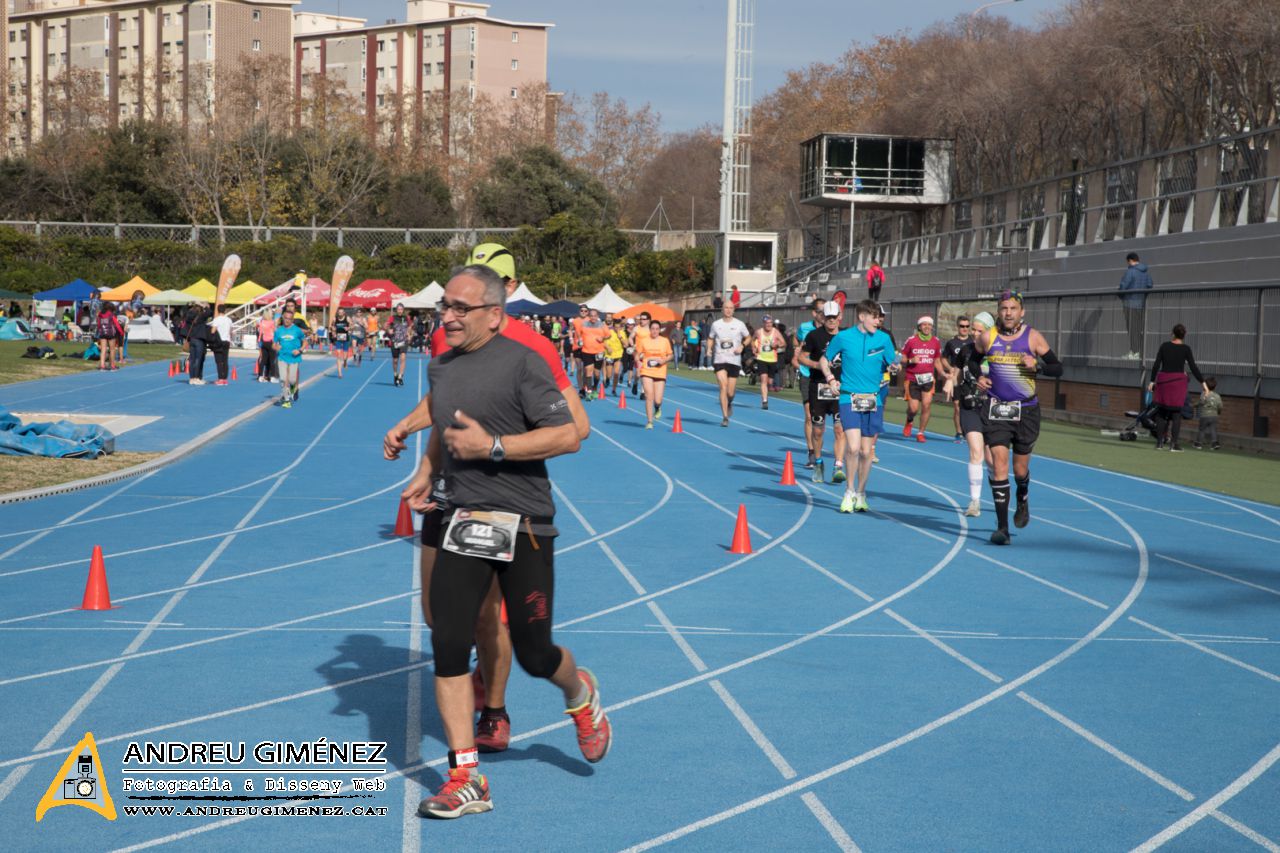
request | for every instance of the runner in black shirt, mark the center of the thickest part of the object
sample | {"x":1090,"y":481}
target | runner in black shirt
{"x":399,"y":330}
{"x":340,"y":332}
{"x":822,"y":402}
{"x":950,"y":351}
{"x":962,"y":387}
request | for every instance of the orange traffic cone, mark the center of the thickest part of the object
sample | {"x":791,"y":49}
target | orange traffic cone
{"x":96,"y":594}
{"x":404,"y":520}
{"x":676,"y":426}
{"x":255,"y":368}
{"x":622,"y":399}
{"x":741,"y":533}
{"x":788,"y":472}
{"x":173,"y":367}
{"x":233,"y":375}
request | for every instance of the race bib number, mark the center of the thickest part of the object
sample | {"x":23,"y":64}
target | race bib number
{"x":599,"y":357}
{"x":655,"y":362}
{"x":481,"y":533}
{"x":825,"y":393}
{"x":1000,"y":410}
{"x":726,"y":345}
{"x":766,"y":347}
{"x":864,"y":403}
{"x":923,"y":379}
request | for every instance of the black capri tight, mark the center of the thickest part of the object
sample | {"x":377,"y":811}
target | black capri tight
{"x":458,"y":587}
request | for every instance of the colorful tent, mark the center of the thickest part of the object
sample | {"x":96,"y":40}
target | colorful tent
{"x":246,"y":292}
{"x":76,"y":291}
{"x":317,"y":293}
{"x":661,"y":313}
{"x":608,"y":302}
{"x":15,"y":330}
{"x":560,"y":308}
{"x":125,"y":292}
{"x":13,"y":295}
{"x":524,"y":293}
{"x":170,"y":297}
{"x":373,"y":293}
{"x":203,"y":290}
{"x":520,"y":307}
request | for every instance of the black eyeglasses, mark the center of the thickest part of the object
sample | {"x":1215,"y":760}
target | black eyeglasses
{"x":461,"y":310}
{"x":962,"y":325}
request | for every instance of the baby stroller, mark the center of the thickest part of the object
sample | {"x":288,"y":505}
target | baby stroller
{"x":1142,"y":420}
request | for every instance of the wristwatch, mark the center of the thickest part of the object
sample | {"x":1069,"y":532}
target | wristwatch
{"x":497,"y":453}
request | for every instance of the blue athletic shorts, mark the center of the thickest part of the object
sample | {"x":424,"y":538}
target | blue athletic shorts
{"x":867,"y":423}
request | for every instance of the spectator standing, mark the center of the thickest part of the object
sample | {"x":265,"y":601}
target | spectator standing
{"x":1168,"y":386}
{"x":693,"y":343}
{"x":108,"y":332}
{"x":220,"y":341}
{"x":267,"y":370}
{"x":198,"y":337}
{"x":704,"y":328}
{"x":735,"y":297}
{"x":1133,"y":298}
{"x":875,"y":280}
{"x":1209,"y":407}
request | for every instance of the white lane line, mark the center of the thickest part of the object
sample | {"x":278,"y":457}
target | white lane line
{"x":410,"y":823}
{"x":139,"y":622}
{"x":825,"y":818}
{"x":723,"y":509}
{"x":1254,"y":836}
{"x":1270,"y":676}
{"x":1188,"y":519}
{"x":1222,"y":575}
{"x":228,"y":578}
{"x":1170,"y":486}
{"x":829,"y":823}
{"x":1057,"y":587}
{"x":100,"y":683}
{"x":1200,"y":812}
{"x":749,"y":725}
{"x":35,"y":676}
{"x":943,"y":647}
{"x":41,"y":533}
{"x":1008,"y":687}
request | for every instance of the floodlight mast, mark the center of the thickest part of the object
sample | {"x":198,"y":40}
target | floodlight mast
{"x":735,"y":155}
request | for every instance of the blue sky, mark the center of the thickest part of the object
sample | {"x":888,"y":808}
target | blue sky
{"x":670,"y":53}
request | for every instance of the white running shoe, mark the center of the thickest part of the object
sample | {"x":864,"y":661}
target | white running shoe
{"x":974,"y":510}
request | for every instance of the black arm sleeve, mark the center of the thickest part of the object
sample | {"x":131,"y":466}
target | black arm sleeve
{"x":1158,"y":363}
{"x":974,"y":360}
{"x":1052,"y":366}
{"x":1191,"y":363}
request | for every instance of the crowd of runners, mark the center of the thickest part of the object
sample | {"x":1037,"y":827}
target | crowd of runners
{"x":501,"y":402}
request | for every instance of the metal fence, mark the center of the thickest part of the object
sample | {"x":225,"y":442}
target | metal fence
{"x":368,"y":241}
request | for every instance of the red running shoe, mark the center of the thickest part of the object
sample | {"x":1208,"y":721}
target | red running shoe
{"x":493,"y":732}
{"x":594,"y":732}
{"x":477,"y":685}
{"x":464,"y":793}
{"x":920,"y":437}
{"x":906,"y":431}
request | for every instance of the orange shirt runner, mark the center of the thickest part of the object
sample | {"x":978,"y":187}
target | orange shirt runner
{"x":651,"y":349}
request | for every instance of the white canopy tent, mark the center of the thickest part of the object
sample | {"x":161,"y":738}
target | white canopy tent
{"x":149,"y":330}
{"x":170,"y":297}
{"x":607,"y":302}
{"x":523,"y":292}
{"x":425,"y":298}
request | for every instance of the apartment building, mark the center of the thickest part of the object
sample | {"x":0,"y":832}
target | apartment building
{"x":154,"y":59}
{"x":442,"y":51}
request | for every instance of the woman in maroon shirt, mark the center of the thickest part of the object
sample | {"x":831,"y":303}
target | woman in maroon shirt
{"x":1168,"y":386}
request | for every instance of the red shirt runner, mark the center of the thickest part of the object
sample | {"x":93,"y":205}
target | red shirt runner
{"x":925,"y":354}
{"x":521,"y":333}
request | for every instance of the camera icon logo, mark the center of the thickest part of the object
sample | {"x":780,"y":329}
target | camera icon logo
{"x":79,"y":782}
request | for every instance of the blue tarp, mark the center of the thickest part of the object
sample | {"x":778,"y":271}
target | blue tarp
{"x":62,"y":439}
{"x":75,"y":291}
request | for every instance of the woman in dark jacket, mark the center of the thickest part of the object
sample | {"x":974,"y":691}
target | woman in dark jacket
{"x":198,"y":335}
{"x":1169,"y":387}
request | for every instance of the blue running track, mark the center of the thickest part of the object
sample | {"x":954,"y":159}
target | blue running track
{"x":887,"y":681}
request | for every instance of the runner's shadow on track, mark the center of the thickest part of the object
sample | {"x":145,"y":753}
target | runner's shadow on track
{"x":794,"y":496}
{"x":547,"y":754}
{"x":915,"y":501}
{"x":381,"y":700}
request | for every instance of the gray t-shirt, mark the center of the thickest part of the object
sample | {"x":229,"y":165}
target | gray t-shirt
{"x":508,"y":389}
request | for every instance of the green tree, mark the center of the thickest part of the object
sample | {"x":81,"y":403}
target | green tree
{"x":535,"y":184}
{"x":416,"y":200}
{"x":123,"y":186}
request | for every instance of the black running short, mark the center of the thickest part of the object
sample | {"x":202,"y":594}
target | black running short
{"x":804,"y":388}
{"x":1021,"y":435}
{"x":820,"y":410}
{"x":917,"y":392}
{"x":767,"y":368}
{"x":432,"y":527}
{"x":458,"y":588}
{"x":397,"y":351}
{"x":733,"y":370}
{"x":971,"y":421}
